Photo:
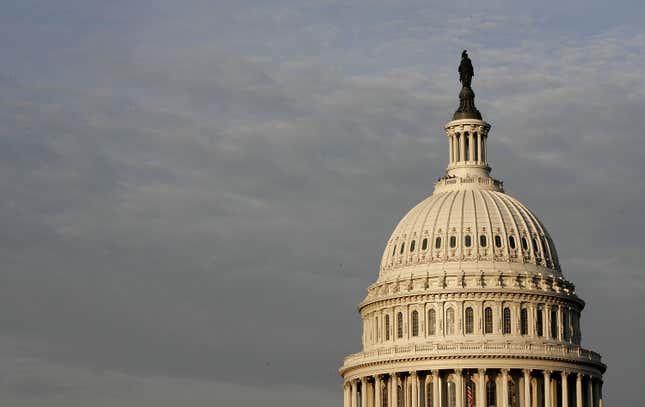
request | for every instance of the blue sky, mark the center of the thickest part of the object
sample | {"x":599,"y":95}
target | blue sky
{"x":196,"y":194}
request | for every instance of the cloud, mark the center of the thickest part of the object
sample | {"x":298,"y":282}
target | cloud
{"x":195,"y":203}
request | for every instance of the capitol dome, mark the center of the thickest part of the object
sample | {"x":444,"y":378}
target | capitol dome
{"x":470,"y":228}
{"x":470,"y":307}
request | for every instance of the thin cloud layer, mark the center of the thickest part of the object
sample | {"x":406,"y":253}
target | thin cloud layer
{"x":196,"y":197}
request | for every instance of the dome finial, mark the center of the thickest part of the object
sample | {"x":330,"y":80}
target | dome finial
{"x":467,"y":109}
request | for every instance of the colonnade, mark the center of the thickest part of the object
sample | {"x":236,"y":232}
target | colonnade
{"x":470,"y":147}
{"x":475,"y":388}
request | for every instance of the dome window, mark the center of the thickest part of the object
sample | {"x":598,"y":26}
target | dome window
{"x":453,"y":242}
{"x":565,"y":325}
{"x":412,"y":244}
{"x":535,"y":245}
{"x":432,"y":322}
{"x":525,"y":244}
{"x":415,"y":323}
{"x":554,"y":323}
{"x":450,"y":321}
{"x":524,"y":321}
{"x":511,"y":242}
{"x":506,"y":325}
{"x":399,"y":325}
{"x":469,"y":320}
{"x":424,"y":244}
{"x":437,"y":243}
{"x":468,"y":241}
{"x":482,"y":240}
{"x":488,"y":320}
{"x":393,"y":250}
{"x":402,"y":248}
{"x":539,"y":323}
{"x":498,"y":241}
{"x":387,"y":327}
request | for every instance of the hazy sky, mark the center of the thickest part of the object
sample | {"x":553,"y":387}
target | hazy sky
{"x":195,"y":194}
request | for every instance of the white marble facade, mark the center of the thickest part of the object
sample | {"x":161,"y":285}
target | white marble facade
{"x":470,"y":307}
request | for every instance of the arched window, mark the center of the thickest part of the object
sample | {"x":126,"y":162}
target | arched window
{"x":506,"y":327}
{"x":539,"y":322}
{"x":482,"y":240}
{"x":393,"y":250}
{"x":511,"y":242}
{"x":491,"y":393}
{"x":432,"y":322}
{"x":525,"y":244}
{"x":415,"y":323}
{"x":469,"y":317}
{"x":450,"y":321}
{"x":524,"y":321}
{"x":437,"y":242}
{"x":498,"y":241}
{"x":387,"y":327}
{"x":399,"y":325}
{"x":412,"y":243}
{"x":402,"y":248}
{"x":535,"y":246}
{"x":488,"y":320}
{"x":565,"y":324}
{"x":468,"y":241}
{"x":554,"y":323}
{"x":453,"y":242}
{"x":424,"y":244}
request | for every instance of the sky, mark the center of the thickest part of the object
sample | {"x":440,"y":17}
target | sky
{"x":195,"y":195}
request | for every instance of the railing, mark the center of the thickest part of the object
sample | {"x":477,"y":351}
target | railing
{"x":465,"y":349}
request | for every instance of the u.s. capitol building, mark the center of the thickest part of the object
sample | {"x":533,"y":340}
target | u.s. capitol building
{"x":471,"y":307}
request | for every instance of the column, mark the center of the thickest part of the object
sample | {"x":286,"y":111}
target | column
{"x":394,"y":392}
{"x":354,"y":397}
{"x":599,"y":393}
{"x":547,"y":388}
{"x":579,"y":390}
{"x":481,"y":387}
{"x":435,"y":388}
{"x":565,"y":389}
{"x":504,"y":387}
{"x":590,"y":391}
{"x":453,"y":148}
{"x":346,"y":395}
{"x":471,"y":146}
{"x":364,"y":392}
{"x":459,"y":387}
{"x":462,"y":148}
{"x":414,"y":383}
{"x":527,"y":388}
{"x":377,"y":391}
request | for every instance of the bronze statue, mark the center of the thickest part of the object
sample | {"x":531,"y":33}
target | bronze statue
{"x":466,"y":71}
